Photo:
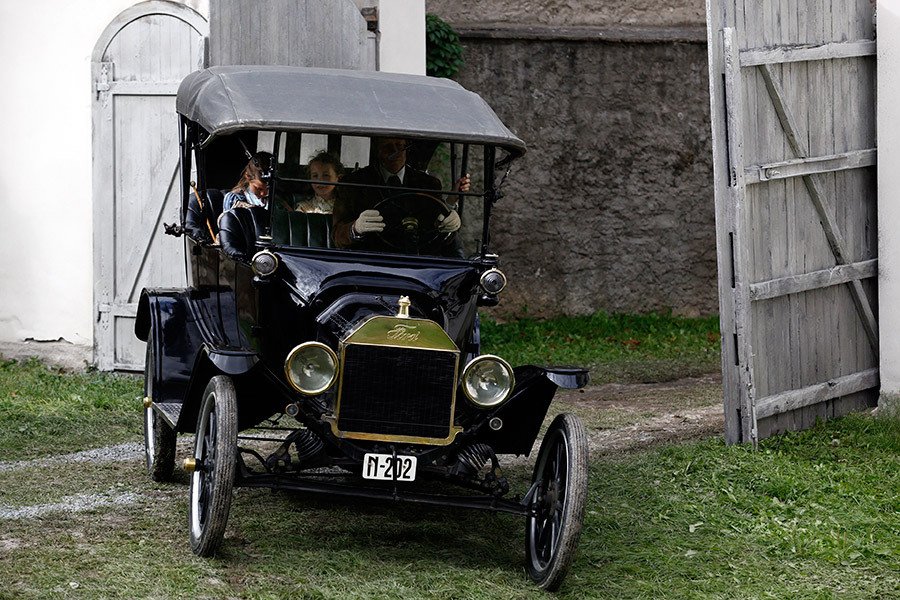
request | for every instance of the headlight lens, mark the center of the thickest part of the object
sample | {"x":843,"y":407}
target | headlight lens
{"x":264,"y":263}
{"x":311,"y":368}
{"x":487,"y":380}
{"x":493,"y":281}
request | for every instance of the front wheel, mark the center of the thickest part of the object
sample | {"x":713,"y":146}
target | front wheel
{"x":215,"y":455}
{"x":159,"y":438}
{"x":561,"y":475}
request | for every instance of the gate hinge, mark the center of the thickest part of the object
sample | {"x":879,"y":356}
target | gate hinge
{"x":103,"y":79}
{"x":103,"y":309}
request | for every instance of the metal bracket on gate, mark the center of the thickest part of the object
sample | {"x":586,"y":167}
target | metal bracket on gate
{"x":103,"y":79}
{"x":103,"y":308}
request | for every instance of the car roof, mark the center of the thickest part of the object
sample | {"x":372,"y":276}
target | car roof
{"x":223,"y":100}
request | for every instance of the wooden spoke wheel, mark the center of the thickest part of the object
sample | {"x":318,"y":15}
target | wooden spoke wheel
{"x":215,"y":456}
{"x":561,"y":474}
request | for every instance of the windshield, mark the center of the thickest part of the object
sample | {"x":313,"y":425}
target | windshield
{"x":389,"y":195}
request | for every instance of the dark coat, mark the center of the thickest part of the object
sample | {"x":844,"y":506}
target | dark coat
{"x":352,"y":201}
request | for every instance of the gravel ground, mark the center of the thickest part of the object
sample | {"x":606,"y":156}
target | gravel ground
{"x":119,"y":453}
{"x":663,"y":424}
{"x":70,"y":504}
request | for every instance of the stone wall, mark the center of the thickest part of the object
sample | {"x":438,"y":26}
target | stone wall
{"x":571,"y":12}
{"x":612,"y":206}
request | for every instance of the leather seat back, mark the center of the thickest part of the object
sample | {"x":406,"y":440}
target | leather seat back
{"x":216,"y":199}
{"x":311,"y":230}
{"x":239,"y":229}
{"x":303,"y":230}
{"x":200,"y":222}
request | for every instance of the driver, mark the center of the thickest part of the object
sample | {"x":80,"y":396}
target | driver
{"x":357,"y":223}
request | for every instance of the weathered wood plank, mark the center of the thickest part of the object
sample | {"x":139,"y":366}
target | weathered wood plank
{"x":741,"y":237}
{"x":795,"y":284}
{"x":799,"y":167}
{"x":805,"y":52}
{"x":814,"y":394}
{"x":717,"y":19}
{"x":831,"y":409}
{"x":124,"y":310}
{"x":826,"y":214}
{"x":755,"y":212}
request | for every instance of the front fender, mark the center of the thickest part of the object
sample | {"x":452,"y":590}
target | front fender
{"x":256,"y":395}
{"x":165,"y":320}
{"x":524,"y":412}
{"x":181,"y":323}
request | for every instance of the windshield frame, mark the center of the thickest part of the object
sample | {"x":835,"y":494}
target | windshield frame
{"x":490,"y":194}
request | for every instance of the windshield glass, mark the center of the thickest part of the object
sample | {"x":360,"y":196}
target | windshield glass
{"x":377,"y":194}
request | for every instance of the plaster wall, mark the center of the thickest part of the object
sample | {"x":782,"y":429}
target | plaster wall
{"x":612,"y":207}
{"x":46,"y":234}
{"x":596,"y":13}
{"x":401,"y":44}
{"x":888,"y":127}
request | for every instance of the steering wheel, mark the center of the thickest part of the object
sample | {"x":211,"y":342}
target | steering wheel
{"x":410,"y":221}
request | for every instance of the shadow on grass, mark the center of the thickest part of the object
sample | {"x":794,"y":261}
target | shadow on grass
{"x":379,"y":530}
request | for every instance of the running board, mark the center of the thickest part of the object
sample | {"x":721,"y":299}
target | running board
{"x":169,"y":411}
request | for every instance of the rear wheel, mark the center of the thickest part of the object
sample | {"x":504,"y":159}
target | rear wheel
{"x":215,"y":456}
{"x":561,"y":474}
{"x":159,"y":438}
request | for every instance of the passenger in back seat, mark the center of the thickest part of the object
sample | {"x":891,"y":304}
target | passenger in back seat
{"x":323,"y":166}
{"x":250,"y":190}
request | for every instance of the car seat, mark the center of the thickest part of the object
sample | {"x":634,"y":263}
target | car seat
{"x":239,"y":228}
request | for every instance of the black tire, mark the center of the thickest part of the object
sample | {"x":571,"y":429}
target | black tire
{"x":215,"y":450}
{"x":159,"y":438}
{"x":561,"y":470}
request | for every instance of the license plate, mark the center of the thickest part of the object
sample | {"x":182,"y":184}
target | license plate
{"x":385,"y":467}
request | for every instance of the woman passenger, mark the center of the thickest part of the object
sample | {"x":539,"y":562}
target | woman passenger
{"x":250,"y":190}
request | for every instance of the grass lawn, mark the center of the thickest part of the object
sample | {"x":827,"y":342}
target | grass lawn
{"x":621,"y":348}
{"x":46,"y":411}
{"x":809,"y":515}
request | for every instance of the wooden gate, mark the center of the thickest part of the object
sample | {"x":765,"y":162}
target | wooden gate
{"x":792,"y":88}
{"x":138,"y":64}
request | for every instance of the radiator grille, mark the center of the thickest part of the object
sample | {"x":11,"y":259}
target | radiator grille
{"x":390,"y":391}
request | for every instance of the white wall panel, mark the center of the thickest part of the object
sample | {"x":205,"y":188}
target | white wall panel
{"x":888,"y":114}
{"x":46,"y":281}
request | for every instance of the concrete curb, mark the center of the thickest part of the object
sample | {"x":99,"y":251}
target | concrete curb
{"x":61,"y":353}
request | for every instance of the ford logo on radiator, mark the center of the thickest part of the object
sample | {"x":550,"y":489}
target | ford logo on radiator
{"x":403,"y":333}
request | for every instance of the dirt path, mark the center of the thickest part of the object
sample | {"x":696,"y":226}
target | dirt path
{"x":684,"y":425}
{"x":622,"y":417}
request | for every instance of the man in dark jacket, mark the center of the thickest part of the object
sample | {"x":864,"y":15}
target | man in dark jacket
{"x":356,"y":222}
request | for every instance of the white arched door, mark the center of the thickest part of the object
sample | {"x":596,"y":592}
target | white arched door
{"x":138,"y":63}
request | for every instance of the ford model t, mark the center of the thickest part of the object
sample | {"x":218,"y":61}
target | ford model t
{"x":348,"y":342}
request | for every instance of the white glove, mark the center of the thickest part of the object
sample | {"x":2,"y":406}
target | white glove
{"x":369,"y":221}
{"x":450,"y":223}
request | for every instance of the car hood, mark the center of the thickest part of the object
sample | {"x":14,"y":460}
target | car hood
{"x":344,"y":289}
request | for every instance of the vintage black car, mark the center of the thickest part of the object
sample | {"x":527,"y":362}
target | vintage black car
{"x":357,"y":370}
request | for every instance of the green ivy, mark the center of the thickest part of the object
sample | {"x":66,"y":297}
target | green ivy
{"x":443,"y":52}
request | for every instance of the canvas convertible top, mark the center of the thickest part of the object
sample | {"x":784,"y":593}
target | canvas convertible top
{"x":223,"y":100}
